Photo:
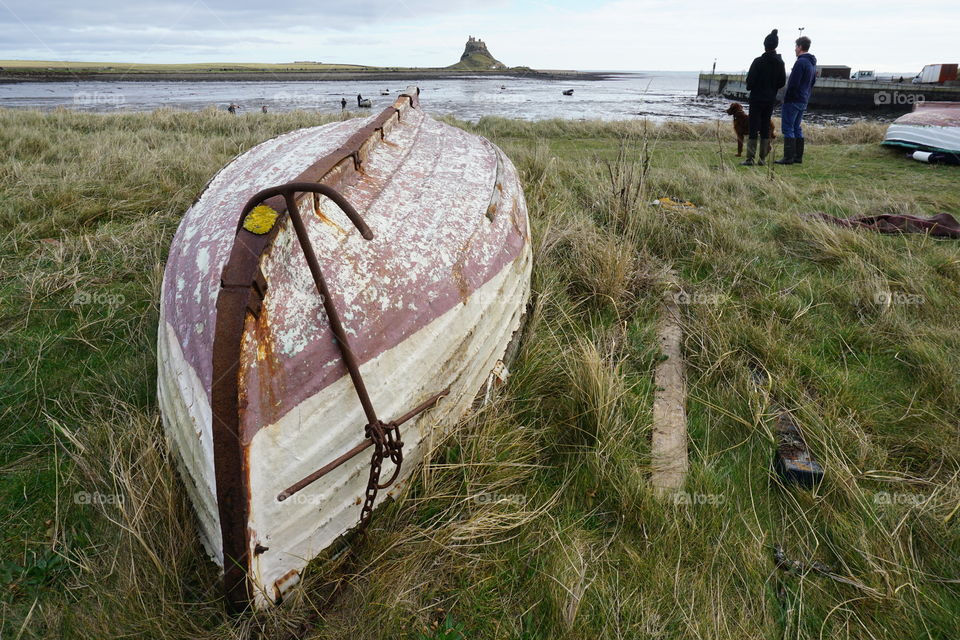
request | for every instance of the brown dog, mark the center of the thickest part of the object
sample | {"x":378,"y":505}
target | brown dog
{"x":741,"y":125}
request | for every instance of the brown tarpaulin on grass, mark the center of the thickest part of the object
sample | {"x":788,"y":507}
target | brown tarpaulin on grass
{"x":942,"y":225}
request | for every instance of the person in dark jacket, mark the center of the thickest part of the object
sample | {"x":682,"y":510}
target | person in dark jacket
{"x":767,"y":74}
{"x":802,"y":78}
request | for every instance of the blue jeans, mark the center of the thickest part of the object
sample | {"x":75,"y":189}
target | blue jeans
{"x":791,"y":113}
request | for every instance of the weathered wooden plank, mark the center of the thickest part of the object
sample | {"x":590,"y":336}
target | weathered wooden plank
{"x":669,"y":462}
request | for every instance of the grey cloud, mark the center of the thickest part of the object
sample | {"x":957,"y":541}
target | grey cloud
{"x":62,"y":44}
{"x":65,"y":29}
{"x":232,"y":14}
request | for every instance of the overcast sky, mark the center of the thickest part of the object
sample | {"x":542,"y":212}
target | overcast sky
{"x":620,"y":35}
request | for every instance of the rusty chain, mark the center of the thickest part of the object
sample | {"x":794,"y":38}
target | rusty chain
{"x":386,"y":443}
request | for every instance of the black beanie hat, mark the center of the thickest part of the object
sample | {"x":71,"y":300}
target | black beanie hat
{"x":772,"y":41}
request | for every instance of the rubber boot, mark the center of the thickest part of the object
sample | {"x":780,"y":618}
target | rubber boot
{"x":765,"y":146}
{"x":789,"y":151}
{"x":798,"y":158}
{"x":751,"y":151}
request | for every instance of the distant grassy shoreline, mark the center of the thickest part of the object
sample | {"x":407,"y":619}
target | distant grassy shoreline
{"x":44,"y":71}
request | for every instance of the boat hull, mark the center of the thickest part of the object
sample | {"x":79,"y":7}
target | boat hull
{"x":253,"y":387}
{"x":931,"y":126}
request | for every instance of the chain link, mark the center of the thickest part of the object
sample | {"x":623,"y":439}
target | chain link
{"x":386,"y":443}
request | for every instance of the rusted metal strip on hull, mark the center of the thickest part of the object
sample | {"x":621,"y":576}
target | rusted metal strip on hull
{"x":331,"y":170}
{"x":242,"y":279}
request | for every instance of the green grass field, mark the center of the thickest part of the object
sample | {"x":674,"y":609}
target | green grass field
{"x":74,"y":67}
{"x":535,"y":518}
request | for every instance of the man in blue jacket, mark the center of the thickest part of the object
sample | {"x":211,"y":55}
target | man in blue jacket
{"x":802,"y":78}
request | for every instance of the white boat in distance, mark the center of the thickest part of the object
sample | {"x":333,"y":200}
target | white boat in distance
{"x":329,"y":286}
{"x":931,"y":126}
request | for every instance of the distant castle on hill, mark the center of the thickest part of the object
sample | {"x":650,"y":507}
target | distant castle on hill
{"x":477,"y":56}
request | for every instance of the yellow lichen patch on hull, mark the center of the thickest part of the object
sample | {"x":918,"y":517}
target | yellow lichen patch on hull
{"x":260,"y":220}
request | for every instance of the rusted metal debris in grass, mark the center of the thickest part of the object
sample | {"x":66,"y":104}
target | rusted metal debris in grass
{"x":793,"y":460}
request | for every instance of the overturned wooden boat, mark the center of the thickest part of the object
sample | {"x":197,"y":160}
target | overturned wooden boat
{"x":931,"y":126}
{"x":329,"y":286}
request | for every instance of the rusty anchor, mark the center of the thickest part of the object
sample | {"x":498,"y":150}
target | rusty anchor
{"x":384,"y":437}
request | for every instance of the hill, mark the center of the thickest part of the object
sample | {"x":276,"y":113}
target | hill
{"x":477,"y":57}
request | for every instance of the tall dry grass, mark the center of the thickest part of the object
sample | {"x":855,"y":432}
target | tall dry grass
{"x":534,"y":518}
{"x":861,"y":132}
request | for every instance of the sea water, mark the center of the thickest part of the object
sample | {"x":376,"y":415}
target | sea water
{"x":657,"y":95}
